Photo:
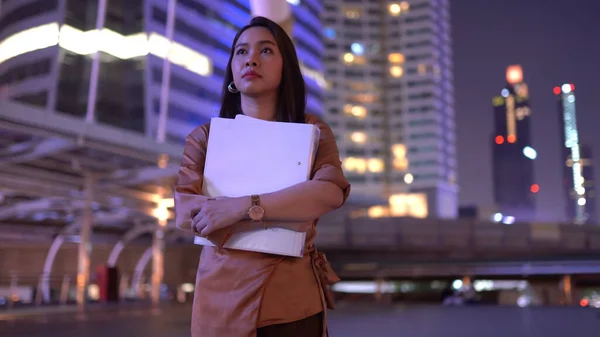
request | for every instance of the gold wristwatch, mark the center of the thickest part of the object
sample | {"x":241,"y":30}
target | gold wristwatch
{"x":256,"y":212}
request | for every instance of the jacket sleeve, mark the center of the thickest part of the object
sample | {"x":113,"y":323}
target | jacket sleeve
{"x":328,"y":166}
{"x":188,"y":185}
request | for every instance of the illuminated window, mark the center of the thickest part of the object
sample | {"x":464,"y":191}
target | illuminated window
{"x":422,"y":69}
{"x":359,"y":60}
{"x":404,"y":5}
{"x":412,"y":205}
{"x":358,"y":137}
{"x":396,"y":71}
{"x":357,"y":48}
{"x":378,"y":212}
{"x":360,"y":86}
{"x":348,"y":58}
{"x":395,"y":9}
{"x":396,"y":58}
{"x":522,"y":90}
{"x":362,"y":165}
{"x":363,"y":98}
{"x":358,"y":111}
{"x":353,"y":164}
{"x":375,"y":165}
{"x":399,"y":157}
{"x":352,"y":13}
{"x":329,"y":33}
{"x":522,"y":112}
{"x":498,"y":101}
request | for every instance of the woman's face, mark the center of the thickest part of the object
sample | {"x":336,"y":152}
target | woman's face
{"x":257,"y":62}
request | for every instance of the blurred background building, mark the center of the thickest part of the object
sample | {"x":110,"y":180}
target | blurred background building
{"x":512,"y":150}
{"x":578,"y":172}
{"x":46,"y":49}
{"x":391,"y":104}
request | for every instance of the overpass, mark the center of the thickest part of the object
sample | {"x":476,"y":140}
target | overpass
{"x":62,"y":179}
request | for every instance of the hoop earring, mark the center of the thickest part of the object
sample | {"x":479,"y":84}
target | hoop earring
{"x":232,"y":89}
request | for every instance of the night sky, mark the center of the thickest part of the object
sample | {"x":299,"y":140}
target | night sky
{"x":556,"y":42}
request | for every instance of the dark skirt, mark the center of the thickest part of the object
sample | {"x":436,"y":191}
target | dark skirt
{"x":311,"y":326}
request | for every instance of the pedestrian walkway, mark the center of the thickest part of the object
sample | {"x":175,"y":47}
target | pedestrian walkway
{"x":349,"y":320}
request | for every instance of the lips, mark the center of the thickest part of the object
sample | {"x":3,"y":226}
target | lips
{"x":251,"y":74}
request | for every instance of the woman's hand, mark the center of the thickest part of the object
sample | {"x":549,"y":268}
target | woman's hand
{"x":218,"y":213}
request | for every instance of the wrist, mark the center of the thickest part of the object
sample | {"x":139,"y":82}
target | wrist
{"x":244,"y":206}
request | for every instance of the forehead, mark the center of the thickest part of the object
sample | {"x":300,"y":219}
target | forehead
{"x":254,"y":35}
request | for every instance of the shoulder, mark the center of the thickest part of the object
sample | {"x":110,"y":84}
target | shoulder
{"x":319,"y":122}
{"x":314,"y":119}
{"x":200,"y":133}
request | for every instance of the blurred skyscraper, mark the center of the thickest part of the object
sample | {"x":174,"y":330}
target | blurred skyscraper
{"x":391,"y":103}
{"x":512,"y":150}
{"x":47,"y":48}
{"x":578,"y":173}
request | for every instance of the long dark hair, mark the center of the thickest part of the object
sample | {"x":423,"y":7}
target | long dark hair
{"x":291,"y":101}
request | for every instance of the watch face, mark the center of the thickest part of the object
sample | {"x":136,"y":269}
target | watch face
{"x":256,"y":213}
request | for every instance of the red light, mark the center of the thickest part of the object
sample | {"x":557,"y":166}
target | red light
{"x":557,"y":91}
{"x":535,"y":188}
{"x":584,"y":302}
{"x":499,"y":140}
{"x":511,"y":138}
{"x":572,"y":87}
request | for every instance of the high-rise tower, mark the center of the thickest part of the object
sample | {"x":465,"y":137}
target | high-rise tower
{"x":391,"y":103}
{"x":578,"y":174}
{"x":512,"y":150}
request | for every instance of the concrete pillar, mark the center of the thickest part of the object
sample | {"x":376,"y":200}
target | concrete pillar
{"x":14,"y":283}
{"x":567,"y":289}
{"x":158,"y":243}
{"x":85,"y":246}
{"x":64,"y":290}
{"x":123,"y":287}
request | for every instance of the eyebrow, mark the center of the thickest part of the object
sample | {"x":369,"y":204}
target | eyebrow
{"x":244,"y":44}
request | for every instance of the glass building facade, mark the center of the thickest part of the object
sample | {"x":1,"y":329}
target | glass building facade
{"x":391,"y":104}
{"x":47,"y":48}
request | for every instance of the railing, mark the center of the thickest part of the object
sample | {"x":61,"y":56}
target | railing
{"x":369,"y":234}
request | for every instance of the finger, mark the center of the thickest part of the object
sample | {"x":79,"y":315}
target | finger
{"x":200,"y":225}
{"x":199,"y":216}
{"x":207,"y":230}
{"x":194,"y":212}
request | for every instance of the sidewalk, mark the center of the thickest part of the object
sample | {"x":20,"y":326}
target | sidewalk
{"x":25,"y":312}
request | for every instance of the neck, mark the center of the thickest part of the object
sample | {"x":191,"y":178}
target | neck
{"x":261,"y":107}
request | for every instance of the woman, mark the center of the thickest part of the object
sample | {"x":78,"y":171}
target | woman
{"x":247,"y":294}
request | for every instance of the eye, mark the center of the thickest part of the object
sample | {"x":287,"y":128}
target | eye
{"x":267,"y":51}
{"x":240,"y":52}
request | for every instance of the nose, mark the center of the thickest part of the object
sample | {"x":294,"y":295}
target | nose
{"x":252,"y":59}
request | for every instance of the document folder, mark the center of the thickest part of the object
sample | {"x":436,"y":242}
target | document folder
{"x":248,"y":156}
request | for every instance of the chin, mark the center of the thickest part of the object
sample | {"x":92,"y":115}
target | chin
{"x":255,"y":91}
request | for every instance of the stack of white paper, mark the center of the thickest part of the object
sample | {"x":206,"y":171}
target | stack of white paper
{"x":247,"y":156}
